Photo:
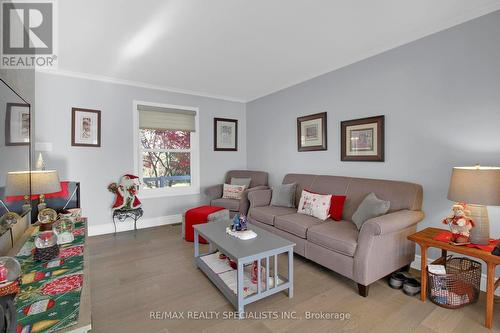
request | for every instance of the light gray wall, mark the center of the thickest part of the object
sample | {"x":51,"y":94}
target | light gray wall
{"x":12,"y":158}
{"x":441,"y":99}
{"x":95,"y":168}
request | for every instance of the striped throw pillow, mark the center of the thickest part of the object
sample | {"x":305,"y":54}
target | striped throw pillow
{"x":233,"y":191}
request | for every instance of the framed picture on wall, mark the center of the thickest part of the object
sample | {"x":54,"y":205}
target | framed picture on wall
{"x":17,"y":124}
{"x":225,"y":134}
{"x":363,"y":139}
{"x":311,"y":132}
{"x":85,"y":127}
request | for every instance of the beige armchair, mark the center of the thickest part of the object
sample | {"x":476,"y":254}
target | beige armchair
{"x":259,"y":182}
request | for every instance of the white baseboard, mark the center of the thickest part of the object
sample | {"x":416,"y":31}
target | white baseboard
{"x":416,"y":265}
{"x":128,"y":224}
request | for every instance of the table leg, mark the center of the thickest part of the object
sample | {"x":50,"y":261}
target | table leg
{"x":240,"y":281}
{"x":196,"y":245}
{"x":423,"y":272}
{"x":490,"y":294}
{"x":444,"y":254}
{"x":290,"y":273}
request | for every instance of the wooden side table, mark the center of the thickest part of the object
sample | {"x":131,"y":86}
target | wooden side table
{"x":425,"y":240}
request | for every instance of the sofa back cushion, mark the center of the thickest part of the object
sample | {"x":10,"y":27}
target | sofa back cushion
{"x":259,"y":178}
{"x":402,"y":195}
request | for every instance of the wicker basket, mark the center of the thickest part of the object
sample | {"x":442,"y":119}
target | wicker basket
{"x":460,"y":285}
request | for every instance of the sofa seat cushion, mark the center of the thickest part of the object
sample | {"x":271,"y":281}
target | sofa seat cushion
{"x":267,"y":214}
{"x":296,"y":224}
{"x":341,"y":236}
{"x":231,"y":204}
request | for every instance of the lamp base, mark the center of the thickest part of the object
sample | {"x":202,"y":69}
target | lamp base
{"x":480,"y":233}
{"x":41,"y":204}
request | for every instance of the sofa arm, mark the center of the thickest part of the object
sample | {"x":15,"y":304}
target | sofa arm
{"x":214,"y":192}
{"x":259,"y":198}
{"x":392,"y":222}
{"x":383,"y":246}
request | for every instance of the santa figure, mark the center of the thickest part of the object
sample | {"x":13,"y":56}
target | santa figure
{"x":126,"y":192}
{"x":460,"y":223}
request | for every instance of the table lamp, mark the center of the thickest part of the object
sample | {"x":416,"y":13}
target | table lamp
{"x":18,"y":183}
{"x":43,"y":182}
{"x":478,"y":187}
{"x":35,"y":182}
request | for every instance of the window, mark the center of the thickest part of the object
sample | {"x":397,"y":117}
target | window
{"x":167,"y":157}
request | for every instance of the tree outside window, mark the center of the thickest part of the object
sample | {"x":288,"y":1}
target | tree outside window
{"x":166,"y":158}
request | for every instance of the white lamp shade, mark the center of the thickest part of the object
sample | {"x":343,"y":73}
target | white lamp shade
{"x":42,"y":182}
{"x":18,"y":183}
{"x":475,"y":185}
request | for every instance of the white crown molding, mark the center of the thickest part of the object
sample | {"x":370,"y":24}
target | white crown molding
{"x":418,"y":34}
{"x":108,"y":79}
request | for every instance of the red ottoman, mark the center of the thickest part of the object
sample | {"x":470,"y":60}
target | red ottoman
{"x":200,"y":215}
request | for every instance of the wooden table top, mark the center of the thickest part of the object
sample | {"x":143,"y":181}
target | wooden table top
{"x":425,"y":238}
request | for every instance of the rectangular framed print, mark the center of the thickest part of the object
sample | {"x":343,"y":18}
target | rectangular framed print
{"x":85,"y":127}
{"x":311,"y":132}
{"x":225,"y":134}
{"x":17,"y":124}
{"x":363,"y":139}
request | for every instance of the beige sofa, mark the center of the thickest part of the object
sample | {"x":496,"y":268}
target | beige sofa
{"x":259,"y":182}
{"x":365,"y":256}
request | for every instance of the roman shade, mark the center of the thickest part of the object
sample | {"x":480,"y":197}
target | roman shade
{"x":160,"y":118}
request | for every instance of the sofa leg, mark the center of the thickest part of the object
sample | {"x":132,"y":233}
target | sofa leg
{"x":363,"y":290}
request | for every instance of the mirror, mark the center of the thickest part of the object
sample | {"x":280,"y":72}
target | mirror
{"x":15,"y":136}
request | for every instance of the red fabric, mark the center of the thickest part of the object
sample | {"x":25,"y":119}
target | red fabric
{"x":61,"y":194}
{"x":445,"y":236}
{"x":195,"y":216}
{"x":336,"y":205}
{"x":118,"y":200}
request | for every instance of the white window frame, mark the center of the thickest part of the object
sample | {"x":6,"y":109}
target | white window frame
{"x":194,"y":188}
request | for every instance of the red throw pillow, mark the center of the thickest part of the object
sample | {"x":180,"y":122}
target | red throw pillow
{"x":336,"y":205}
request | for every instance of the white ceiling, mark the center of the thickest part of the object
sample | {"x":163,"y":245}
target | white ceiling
{"x":241,"y":49}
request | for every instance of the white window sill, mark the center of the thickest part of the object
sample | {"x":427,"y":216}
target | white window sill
{"x":158,"y":193}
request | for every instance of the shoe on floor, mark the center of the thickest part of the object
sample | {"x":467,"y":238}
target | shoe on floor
{"x":397,"y":279}
{"x":411,"y":287}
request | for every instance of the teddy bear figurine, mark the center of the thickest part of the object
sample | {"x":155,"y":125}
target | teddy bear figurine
{"x":460,"y":223}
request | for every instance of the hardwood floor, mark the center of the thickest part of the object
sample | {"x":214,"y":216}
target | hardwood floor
{"x":135,"y":274}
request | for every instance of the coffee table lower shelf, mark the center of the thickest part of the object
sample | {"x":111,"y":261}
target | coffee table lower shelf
{"x":265,"y":285}
{"x":228,"y":292}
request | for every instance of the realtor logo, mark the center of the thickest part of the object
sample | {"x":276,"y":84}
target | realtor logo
{"x":28,"y":32}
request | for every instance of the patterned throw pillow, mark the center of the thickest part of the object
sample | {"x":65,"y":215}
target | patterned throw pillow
{"x":336,"y":205}
{"x":233,"y":191}
{"x":317,"y":205}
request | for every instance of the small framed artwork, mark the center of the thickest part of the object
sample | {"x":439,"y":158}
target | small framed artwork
{"x":363,"y":139}
{"x":17,"y":124}
{"x":225,"y":134}
{"x":311,"y":132}
{"x":85,"y":127}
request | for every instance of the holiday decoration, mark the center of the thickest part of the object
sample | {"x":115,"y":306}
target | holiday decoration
{"x":10,"y":269}
{"x":239,"y":223}
{"x":460,"y":223}
{"x":126,"y":193}
{"x":239,"y":228}
{"x":49,"y":296}
{"x":63,"y":228}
